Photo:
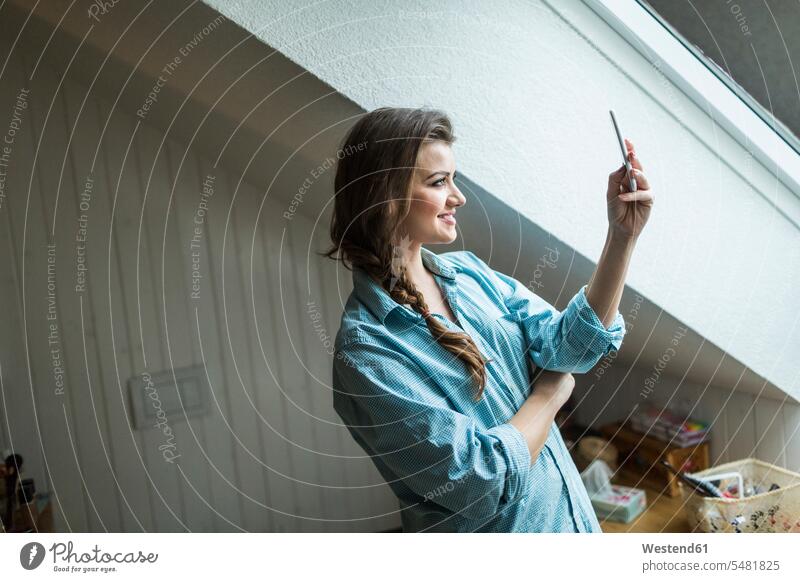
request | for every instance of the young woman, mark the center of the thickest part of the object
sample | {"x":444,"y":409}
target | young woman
{"x":432,"y":373}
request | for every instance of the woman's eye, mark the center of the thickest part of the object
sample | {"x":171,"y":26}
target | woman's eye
{"x":440,"y":182}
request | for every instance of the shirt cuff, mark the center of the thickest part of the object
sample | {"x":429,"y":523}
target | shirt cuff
{"x":583,"y":323}
{"x":512,"y":444}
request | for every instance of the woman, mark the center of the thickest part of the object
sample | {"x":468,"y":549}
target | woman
{"x":432,"y":370}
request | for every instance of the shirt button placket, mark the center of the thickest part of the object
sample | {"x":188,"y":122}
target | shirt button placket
{"x":571,"y":497}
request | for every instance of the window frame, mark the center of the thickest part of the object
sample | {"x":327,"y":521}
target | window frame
{"x":707,"y":85}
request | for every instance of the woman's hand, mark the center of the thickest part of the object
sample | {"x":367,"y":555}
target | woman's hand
{"x":628,"y":211}
{"x":554,"y":388}
{"x":551,"y":390}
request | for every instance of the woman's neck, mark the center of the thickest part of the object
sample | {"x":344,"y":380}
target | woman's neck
{"x":415,"y":267}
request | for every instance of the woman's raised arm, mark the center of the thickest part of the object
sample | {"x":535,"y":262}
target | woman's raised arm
{"x":628,"y":212}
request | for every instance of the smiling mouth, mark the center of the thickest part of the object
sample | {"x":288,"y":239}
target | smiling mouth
{"x":447,"y":217}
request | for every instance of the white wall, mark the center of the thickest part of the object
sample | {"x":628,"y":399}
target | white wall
{"x":529,"y":87}
{"x":271,"y":438}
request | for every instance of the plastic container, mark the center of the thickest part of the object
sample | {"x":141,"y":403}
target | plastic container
{"x":622,"y":504}
{"x":611,"y":502}
{"x":769,"y":512}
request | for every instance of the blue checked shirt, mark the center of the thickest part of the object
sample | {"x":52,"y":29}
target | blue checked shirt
{"x":456,"y":464}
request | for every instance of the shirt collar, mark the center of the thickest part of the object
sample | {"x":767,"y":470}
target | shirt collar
{"x":440,"y":266}
{"x":378,"y":301}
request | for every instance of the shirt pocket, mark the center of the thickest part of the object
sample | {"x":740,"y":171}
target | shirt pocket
{"x":449,"y":379}
{"x":508,"y":339}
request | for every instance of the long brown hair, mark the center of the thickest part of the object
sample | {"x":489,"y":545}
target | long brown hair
{"x":373,"y":186}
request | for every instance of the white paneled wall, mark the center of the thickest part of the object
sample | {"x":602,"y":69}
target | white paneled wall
{"x":269,"y":455}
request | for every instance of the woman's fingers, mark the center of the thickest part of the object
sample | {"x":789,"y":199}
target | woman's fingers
{"x":641,"y":179}
{"x":632,"y":155}
{"x":638,"y":196}
{"x":618,"y":180}
{"x":615,"y":178}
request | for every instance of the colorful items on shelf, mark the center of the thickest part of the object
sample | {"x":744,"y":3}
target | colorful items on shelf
{"x":666,"y":425}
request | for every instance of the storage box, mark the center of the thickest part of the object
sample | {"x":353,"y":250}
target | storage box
{"x":623,"y":504}
{"x":771,"y":511}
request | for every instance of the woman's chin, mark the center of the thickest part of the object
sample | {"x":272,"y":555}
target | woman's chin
{"x":448,"y":237}
{"x":442,"y":236}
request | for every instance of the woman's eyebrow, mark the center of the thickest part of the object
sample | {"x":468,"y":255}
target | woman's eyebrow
{"x":441,"y":172}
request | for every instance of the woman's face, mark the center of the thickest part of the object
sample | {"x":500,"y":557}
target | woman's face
{"x":434,"y":196}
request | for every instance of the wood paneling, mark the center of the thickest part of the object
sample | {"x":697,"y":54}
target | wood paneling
{"x":269,"y":455}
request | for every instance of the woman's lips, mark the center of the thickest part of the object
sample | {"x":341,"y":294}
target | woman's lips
{"x":447,"y":218}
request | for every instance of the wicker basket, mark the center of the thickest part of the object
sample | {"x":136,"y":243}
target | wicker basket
{"x":772,"y":511}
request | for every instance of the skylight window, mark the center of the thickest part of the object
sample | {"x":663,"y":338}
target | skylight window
{"x":720,"y":90}
{"x":752,"y":47}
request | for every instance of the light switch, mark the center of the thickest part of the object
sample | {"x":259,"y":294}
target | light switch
{"x":154,"y":396}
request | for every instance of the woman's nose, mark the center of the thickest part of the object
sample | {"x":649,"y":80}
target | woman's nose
{"x":459,"y":198}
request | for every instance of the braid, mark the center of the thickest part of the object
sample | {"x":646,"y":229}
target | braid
{"x":460,"y":344}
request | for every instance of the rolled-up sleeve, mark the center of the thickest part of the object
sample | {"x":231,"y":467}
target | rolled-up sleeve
{"x":388,"y":405}
{"x":572,"y":340}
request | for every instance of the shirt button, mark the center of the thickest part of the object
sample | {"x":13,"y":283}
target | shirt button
{"x":497,"y":446}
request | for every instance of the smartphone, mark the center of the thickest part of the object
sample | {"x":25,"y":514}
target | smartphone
{"x":625,"y":160}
